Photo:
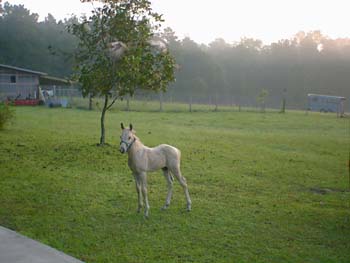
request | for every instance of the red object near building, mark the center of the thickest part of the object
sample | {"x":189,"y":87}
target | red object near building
{"x":26,"y":102}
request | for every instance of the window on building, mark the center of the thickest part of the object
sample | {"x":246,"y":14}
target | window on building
{"x":13,"y":79}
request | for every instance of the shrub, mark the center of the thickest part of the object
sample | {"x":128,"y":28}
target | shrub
{"x":6,"y":115}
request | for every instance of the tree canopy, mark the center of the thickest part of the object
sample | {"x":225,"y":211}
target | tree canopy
{"x":131,"y":22}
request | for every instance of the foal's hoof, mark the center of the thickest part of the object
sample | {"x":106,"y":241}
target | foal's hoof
{"x":165,"y":207}
{"x":189,"y":208}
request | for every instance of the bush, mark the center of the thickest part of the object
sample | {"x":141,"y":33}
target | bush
{"x":6,"y":115}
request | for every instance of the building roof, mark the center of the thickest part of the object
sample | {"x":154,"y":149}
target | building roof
{"x":44,"y":78}
{"x":49,"y":80}
{"x":23,"y":70}
{"x":326,"y":96}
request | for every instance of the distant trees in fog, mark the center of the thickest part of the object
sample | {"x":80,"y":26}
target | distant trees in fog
{"x":218,"y":73}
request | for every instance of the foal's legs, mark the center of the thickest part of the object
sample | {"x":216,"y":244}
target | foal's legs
{"x":143,"y":180}
{"x":169,"y":180}
{"x":176,"y":171}
{"x":138,"y":190}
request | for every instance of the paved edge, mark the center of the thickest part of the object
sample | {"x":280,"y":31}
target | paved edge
{"x":16,"y":248}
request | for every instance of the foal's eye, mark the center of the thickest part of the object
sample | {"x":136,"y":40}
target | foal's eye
{"x":129,"y":137}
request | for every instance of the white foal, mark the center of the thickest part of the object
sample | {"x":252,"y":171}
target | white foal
{"x":143,"y":159}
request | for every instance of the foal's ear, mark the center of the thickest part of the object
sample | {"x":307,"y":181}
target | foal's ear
{"x":122,"y":125}
{"x":130,"y":126}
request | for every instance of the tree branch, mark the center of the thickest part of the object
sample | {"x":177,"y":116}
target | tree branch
{"x":114,"y":100}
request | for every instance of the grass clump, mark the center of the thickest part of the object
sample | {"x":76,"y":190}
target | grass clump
{"x":6,"y":115}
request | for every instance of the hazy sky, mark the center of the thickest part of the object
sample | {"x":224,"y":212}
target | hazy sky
{"x":203,"y":21}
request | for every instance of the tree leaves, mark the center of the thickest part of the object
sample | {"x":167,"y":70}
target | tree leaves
{"x":131,"y":22}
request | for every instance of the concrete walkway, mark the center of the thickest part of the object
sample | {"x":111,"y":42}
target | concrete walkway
{"x":15,"y":248}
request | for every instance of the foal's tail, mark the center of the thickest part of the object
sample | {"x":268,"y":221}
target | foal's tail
{"x":179,"y":154}
{"x":168,"y":174}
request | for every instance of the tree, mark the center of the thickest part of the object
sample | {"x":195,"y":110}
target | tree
{"x":104,"y":73}
{"x":261,"y":99}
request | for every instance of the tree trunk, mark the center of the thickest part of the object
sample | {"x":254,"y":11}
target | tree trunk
{"x":283,"y":110}
{"x":216,"y":101}
{"x":102,"y":139}
{"x":90,"y":101}
{"x":284,"y":100}
{"x":262,"y":106}
{"x":128,"y":103}
{"x":161,"y":101}
{"x":190,"y":103}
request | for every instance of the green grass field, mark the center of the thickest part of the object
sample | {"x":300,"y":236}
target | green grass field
{"x":265,"y":187}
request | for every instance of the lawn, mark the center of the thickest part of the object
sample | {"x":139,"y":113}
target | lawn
{"x":265,"y":187}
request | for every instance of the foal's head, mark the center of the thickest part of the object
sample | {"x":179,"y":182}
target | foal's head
{"x":127,"y":138}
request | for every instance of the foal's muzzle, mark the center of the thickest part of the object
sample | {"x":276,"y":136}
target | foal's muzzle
{"x":122,"y":148}
{"x":125,"y":146}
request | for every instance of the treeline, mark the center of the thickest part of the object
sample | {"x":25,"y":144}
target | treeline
{"x":43,"y":46}
{"x":242,"y":73}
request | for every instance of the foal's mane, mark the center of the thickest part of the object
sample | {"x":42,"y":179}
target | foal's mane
{"x":136,"y":138}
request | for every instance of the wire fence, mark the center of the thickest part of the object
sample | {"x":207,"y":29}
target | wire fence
{"x":63,"y":96}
